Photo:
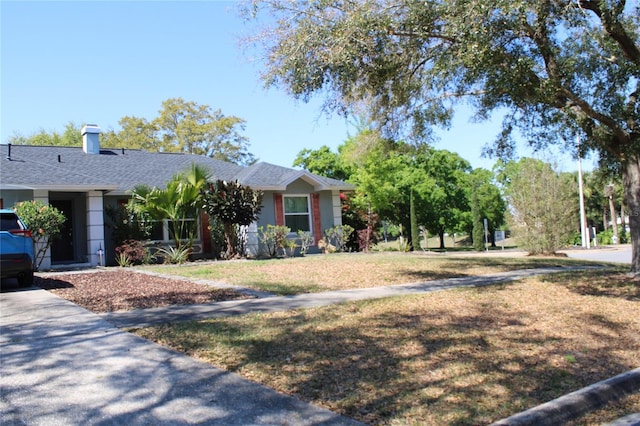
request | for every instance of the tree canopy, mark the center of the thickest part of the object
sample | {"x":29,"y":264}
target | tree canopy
{"x":559,"y":68}
{"x":486,"y":202}
{"x":541,"y":220}
{"x":70,"y":137}
{"x":181,"y":126}
{"x":186,"y":126}
{"x":322,"y":161}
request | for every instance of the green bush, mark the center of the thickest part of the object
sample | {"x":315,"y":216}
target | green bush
{"x":133,"y":252}
{"x":173,"y":255}
{"x":274,"y":238}
{"x":605,"y":238}
{"x":337,"y":237}
{"x":45,"y":223}
{"x":306,"y":241}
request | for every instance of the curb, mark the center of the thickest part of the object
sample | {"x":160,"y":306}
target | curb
{"x":578,"y":403}
{"x":630,"y":420}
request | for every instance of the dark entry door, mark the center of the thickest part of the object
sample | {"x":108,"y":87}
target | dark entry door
{"x":62,"y":248}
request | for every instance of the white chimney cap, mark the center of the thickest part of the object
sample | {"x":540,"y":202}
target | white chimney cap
{"x":90,"y":128}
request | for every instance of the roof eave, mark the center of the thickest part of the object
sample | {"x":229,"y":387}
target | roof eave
{"x":59,"y":188}
{"x":334,"y":188}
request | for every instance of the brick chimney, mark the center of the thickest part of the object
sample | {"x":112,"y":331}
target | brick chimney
{"x":91,"y":139}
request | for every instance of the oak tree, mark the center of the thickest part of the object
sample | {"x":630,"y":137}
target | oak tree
{"x":559,"y":68}
{"x":185,"y":126}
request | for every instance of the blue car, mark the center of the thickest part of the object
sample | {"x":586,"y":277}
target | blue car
{"x":16,"y":249}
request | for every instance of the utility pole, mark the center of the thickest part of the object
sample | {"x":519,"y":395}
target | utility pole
{"x":583,"y":216}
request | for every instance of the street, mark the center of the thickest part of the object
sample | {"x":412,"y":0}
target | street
{"x":620,"y":253}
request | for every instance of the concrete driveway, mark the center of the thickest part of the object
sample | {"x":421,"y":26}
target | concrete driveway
{"x":63,"y":365}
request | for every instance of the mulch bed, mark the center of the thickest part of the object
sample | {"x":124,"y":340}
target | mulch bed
{"x":118,"y":290}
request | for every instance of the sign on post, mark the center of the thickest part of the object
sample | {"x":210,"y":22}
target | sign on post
{"x":499,"y":236}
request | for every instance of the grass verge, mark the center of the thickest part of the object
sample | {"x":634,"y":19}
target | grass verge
{"x":461,"y":357}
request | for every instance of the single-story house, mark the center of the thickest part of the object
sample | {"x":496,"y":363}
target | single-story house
{"x":84,"y":181}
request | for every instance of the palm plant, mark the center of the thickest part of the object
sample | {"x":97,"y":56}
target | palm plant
{"x":178,"y":203}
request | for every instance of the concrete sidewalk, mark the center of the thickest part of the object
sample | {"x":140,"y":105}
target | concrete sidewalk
{"x":62,"y":365}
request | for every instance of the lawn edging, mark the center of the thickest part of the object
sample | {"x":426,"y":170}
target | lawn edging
{"x":578,"y":403}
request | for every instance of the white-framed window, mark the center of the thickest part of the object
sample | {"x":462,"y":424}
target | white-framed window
{"x":160,"y":230}
{"x":297,"y":212}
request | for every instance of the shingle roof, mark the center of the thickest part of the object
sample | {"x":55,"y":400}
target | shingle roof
{"x":269,"y":176}
{"x":68,"y":168}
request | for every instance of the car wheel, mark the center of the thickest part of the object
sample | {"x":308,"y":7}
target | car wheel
{"x":25,"y":279}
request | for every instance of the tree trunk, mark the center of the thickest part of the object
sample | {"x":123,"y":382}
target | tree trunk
{"x":414,"y":231}
{"x":631,"y":182}
{"x":230,"y":237}
{"x":441,"y":234}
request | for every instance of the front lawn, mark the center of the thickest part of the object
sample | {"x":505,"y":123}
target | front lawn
{"x":461,"y":357}
{"x":318,"y":273}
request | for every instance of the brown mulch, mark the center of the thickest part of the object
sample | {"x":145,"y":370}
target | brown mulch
{"x":118,"y":290}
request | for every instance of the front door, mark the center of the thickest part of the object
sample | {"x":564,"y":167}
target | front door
{"x":62,"y":248}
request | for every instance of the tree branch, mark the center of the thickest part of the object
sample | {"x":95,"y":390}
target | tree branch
{"x":619,"y":133}
{"x":565,"y":96}
{"x":398,"y":33}
{"x":614,"y":28}
{"x":632,"y":121}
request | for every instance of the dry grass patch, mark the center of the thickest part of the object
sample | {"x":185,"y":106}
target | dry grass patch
{"x":462,"y":357}
{"x":346,"y":271}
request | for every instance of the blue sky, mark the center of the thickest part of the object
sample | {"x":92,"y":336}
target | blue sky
{"x":96,"y":62}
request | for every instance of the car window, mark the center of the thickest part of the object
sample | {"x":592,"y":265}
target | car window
{"x":9,"y":221}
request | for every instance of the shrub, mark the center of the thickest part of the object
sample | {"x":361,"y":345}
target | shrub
{"x":218,"y":244}
{"x":606,"y":237}
{"x":289,"y":247}
{"x":338,"y":237}
{"x":45,"y":223}
{"x":175,"y":255}
{"x":123,"y":260}
{"x":133,"y":252}
{"x":306,"y":240}
{"x":274,"y":238}
{"x":235,"y":206}
{"x":366,"y":239}
{"x":403,"y":245}
{"x":540,"y":218}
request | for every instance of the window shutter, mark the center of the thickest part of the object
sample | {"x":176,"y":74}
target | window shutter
{"x":279,"y":209}
{"x":317,"y":223}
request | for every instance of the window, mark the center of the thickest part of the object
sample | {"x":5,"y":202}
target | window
{"x":296,"y":213}
{"x":184,"y":228}
{"x":160,"y":230}
{"x":157,"y":231}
